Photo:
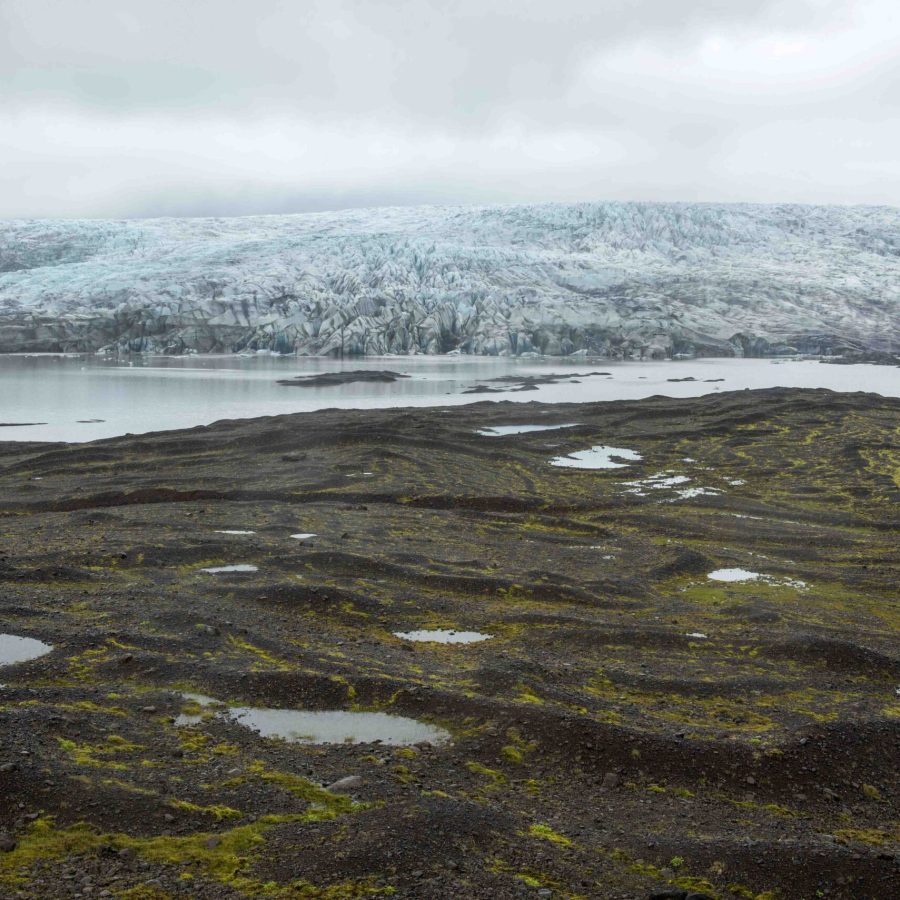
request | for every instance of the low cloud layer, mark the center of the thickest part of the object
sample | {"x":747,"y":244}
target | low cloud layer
{"x":223,"y":107}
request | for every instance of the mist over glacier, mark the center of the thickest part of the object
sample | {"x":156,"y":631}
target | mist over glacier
{"x":612,"y":279}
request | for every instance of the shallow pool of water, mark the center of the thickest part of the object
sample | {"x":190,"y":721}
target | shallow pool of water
{"x":336,"y":726}
{"x":734,"y":575}
{"x":444,"y":636}
{"x":240,"y":567}
{"x":505,"y":430}
{"x":15,"y":649}
{"x":600,"y":457}
{"x":81,"y":398}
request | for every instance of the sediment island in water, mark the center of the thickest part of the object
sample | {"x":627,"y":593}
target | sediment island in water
{"x":469,"y":652}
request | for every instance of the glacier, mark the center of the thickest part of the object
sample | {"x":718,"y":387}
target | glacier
{"x":620,"y":280}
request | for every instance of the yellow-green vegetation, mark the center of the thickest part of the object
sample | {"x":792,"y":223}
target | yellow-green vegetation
{"x":262,"y":660}
{"x":224,"y":857}
{"x":323,"y":803}
{"x":546,"y":833}
{"x":496,"y":777}
{"x":99,"y":755}
{"x":218,"y":812}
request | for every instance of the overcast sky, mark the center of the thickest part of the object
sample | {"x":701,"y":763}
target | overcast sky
{"x":224,"y":107}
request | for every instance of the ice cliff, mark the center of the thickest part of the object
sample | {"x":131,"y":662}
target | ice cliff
{"x":616,"y":279}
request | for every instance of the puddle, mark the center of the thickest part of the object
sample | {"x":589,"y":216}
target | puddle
{"x":600,"y":457}
{"x":185,"y":720}
{"x":240,"y":567}
{"x":15,"y":649}
{"x":504,"y":430}
{"x":734,"y":575}
{"x":444,"y":636}
{"x":336,"y":726}
{"x":302,"y":537}
{"x":688,"y":493}
{"x":743,"y":575}
{"x":232,"y":531}
{"x":660,"y":481}
{"x":320,"y":727}
{"x":699,"y":635}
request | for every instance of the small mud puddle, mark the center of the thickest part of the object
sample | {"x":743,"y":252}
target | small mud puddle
{"x":444,"y":636}
{"x":600,"y":457}
{"x":240,"y":567}
{"x":15,"y":649}
{"x":233,"y":531}
{"x":302,"y":537}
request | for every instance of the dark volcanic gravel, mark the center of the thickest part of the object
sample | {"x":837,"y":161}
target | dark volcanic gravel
{"x":632,"y":726}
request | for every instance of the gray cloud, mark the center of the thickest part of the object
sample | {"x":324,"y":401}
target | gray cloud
{"x":191,"y":107}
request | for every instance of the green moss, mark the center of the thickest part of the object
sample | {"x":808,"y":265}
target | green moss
{"x":546,"y":833}
{"x":96,"y":755}
{"x":219,"y":813}
{"x":496,"y":777}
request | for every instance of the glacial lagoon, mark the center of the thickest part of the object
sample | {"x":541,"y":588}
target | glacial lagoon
{"x":82,"y":398}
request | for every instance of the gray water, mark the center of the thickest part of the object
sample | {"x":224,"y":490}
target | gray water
{"x":81,"y":398}
{"x":15,"y":649}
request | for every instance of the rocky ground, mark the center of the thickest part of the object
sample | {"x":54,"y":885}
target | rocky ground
{"x":632,"y":727}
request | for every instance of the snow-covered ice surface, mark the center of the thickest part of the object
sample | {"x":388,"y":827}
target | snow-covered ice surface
{"x":550,"y":278}
{"x":443,"y":636}
{"x":599,"y":457}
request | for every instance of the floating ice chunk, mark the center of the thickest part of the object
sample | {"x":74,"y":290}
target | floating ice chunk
{"x":599,"y":457}
{"x":444,"y":636}
{"x":303,"y":536}
{"x":15,"y":649}
{"x":505,"y":430}
{"x":240,"y":567}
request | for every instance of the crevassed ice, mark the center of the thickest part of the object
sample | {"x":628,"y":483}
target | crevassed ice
{"x":599,"y":457}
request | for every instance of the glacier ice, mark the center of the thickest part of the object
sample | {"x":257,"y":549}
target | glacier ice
{"x":614,"y":279}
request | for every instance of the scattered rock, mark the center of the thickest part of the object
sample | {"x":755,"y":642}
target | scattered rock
{"x":346,"y":784}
